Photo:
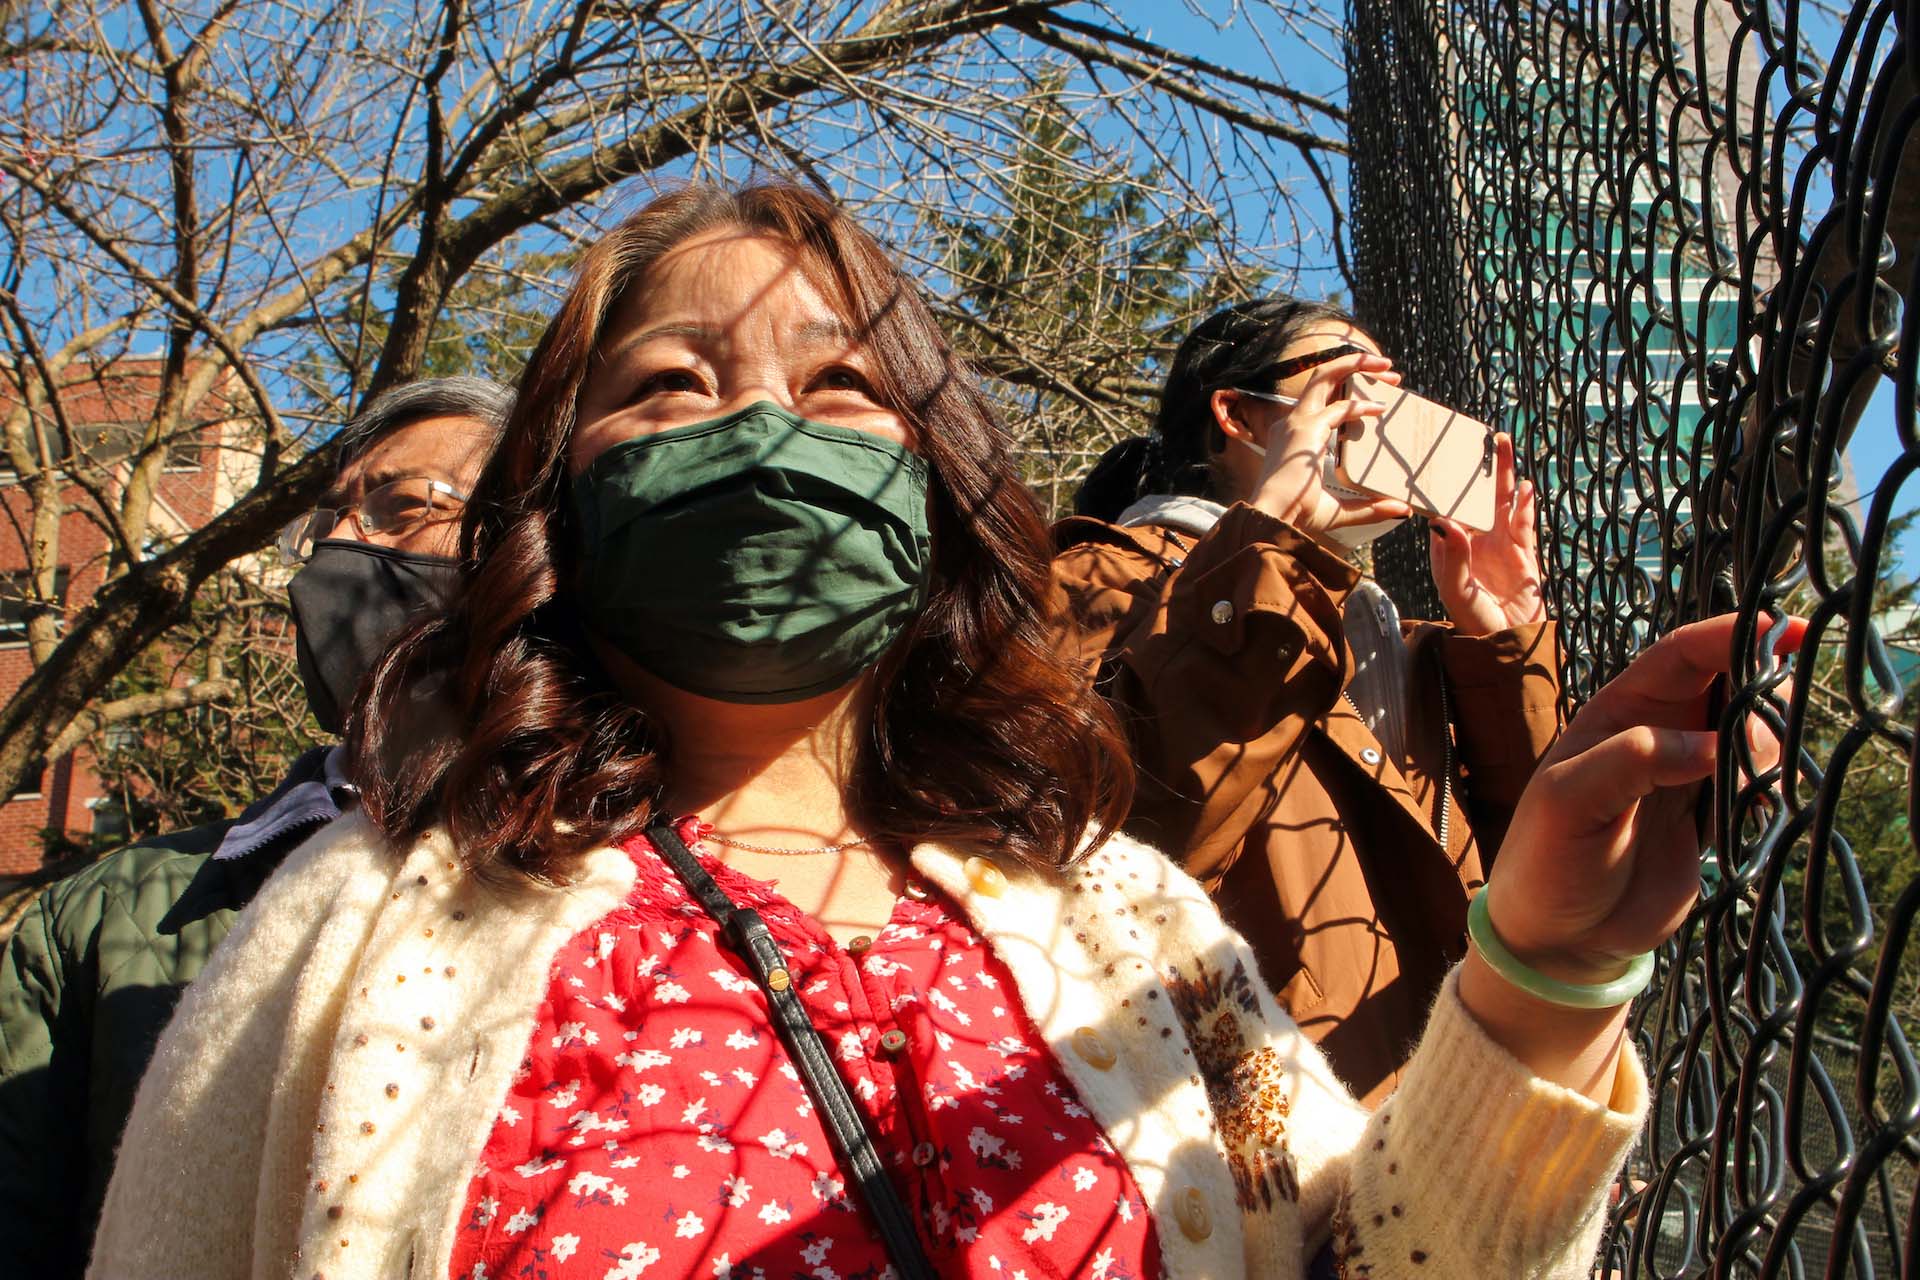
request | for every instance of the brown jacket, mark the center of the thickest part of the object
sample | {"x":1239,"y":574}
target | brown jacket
{"x":1226,"y":656}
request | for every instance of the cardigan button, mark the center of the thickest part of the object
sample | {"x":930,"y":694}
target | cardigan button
{"x":1094,"y":1051}
{"x":1369,"y":756}
{"x":893,"y":1041}
{"x":859,"y":946}
{"x":923,"y":1154}
{"x":1222,"y":612}
{"x":985,"y":877}
{"x":1190,"y":1211}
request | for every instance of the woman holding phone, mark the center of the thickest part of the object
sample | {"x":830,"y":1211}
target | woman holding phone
{"x":1337,"y":779}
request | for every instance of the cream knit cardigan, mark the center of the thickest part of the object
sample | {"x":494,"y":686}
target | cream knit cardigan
{"x":322,"y":1096}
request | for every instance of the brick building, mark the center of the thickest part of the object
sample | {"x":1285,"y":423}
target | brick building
{"x":107,"y":408}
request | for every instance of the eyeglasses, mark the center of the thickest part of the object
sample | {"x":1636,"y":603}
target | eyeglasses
{"x":1312,"y":359}
{"x":1299,"y":364}
{"x":1292,"y":402}
{"x":395,"y":509}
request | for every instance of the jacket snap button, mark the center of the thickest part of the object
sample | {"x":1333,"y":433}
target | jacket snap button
{"x":923,"y":1154}
{"x":859,"y":946}
{"x":1369,"y":755}
{"x":893,"y":1041}
{"x":1222,"y":612}
{"x":1190,"y":1211}
{"x":1097,"y":1053}
{"x":985,"y":877}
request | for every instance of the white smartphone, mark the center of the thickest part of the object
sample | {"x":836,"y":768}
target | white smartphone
{"x":1438,"y":461}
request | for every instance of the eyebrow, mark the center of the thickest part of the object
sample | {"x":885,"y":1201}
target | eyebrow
{"x":831,"y":330}
{"x":385,"y":475}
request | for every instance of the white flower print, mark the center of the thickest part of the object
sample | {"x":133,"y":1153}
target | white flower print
{"x":607,"y":942}
{"x":632,"y":1260}
{"x":816,"y":1253}
{"x":774,"y":1214}
{"x":563,"y":1246}
{"x":479,"y":1272}
{"x":986,"y":1146}
{"x":780,"y":1146}
{"x":615,"y":1003}
{"x":1084,"y":1178}
{"x":667,"y":991}
{"x":1046,"y":1219}
{"x":642,"y":1059}
{"x":686,"y":1037}
{"x":736,"y":1191}
{"x":587,"y":1183}
{"x":566,"y":1096}
{"x":688,"y":1226}
{"x":851,"y":1048}
{"x":742,"y":1039}
{"x":827,"y":1188}
{"x":648,"y":1094}
{"x":1008,"y":1046}
{"x":521,"y":1220}
{"x":694,"y":1110}
{"x":727,"y":980}
{"x":536,"y":1166}
{"x":508,"y":1116}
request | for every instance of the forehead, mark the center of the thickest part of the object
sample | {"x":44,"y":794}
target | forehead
{"x":722,"y":280}
{"x":440,"y":445}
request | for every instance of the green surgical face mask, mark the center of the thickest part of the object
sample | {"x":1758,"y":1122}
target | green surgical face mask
{"x":759,"y":557}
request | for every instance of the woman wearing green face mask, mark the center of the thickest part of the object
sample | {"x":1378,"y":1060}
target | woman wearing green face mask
{"x":737,"y":904}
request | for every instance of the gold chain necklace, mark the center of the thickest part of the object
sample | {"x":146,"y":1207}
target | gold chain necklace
{"x":784,"y":850}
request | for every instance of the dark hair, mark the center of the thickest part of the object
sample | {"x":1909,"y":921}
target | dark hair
{"x":981,"y":731}
{"x":1237,"y":347}
{"x":482,"y":399}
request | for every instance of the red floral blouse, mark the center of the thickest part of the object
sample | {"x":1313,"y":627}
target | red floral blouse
{"x":658,"y":1127}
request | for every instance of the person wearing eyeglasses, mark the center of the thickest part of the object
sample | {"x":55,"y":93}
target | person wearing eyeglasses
{"x":1337,"y":779}
{"x":91,"y":976}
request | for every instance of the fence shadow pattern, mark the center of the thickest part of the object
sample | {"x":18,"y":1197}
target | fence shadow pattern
{"x":1674,"y":248}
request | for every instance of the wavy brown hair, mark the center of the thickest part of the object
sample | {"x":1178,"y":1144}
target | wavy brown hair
{"x":496,"y":720}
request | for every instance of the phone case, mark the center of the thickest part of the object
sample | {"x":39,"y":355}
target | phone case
{"x":1437,"y":461}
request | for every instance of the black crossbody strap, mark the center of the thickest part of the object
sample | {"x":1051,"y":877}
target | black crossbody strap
{"x":749,"y":936}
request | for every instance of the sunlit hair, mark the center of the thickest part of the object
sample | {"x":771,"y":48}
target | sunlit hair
{"x":496,"y":720}
{"x":1235,"y":347}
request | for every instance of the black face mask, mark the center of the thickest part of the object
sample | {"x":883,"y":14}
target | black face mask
{"x":349,"y":602}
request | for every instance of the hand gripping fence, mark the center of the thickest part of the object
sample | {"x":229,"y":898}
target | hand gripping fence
{"x":1674,"y":248}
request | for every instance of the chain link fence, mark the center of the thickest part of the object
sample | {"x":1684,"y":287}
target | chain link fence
{"x":1673,"y":247}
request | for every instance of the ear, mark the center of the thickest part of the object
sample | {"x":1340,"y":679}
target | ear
{"x":1226,"y":407}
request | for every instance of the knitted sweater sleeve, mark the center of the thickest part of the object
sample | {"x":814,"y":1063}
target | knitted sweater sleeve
{"x":1474,"y":1167}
